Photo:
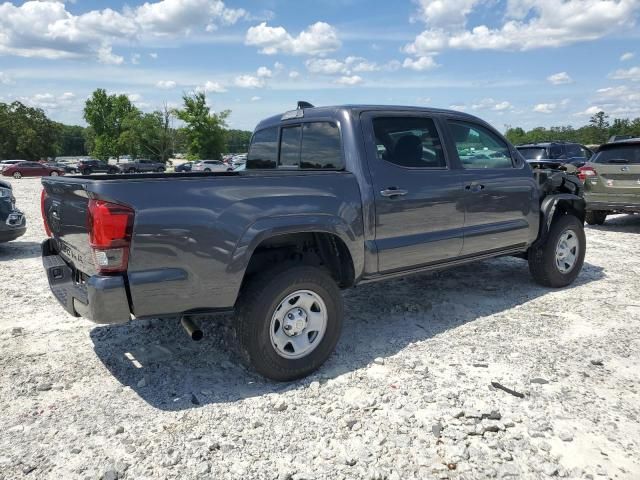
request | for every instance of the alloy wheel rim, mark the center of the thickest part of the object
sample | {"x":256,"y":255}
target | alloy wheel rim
{"x":567,"y":250}
{"x":298,"y":324}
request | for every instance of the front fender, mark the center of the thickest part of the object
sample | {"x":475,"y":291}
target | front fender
{"x":559,"y":202}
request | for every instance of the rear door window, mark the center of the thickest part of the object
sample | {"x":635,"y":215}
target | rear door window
{"x":411,"y":142}
{"x":573,"y":150}
{"x":263,"y":152}
{"x":533,"y":153}
{"x":321,"y":146}
{"x":290,"y":147}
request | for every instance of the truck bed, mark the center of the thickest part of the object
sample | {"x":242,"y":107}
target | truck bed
{"x":193,"y":233}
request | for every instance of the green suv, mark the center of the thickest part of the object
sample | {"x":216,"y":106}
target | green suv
{"x":612,"y":180}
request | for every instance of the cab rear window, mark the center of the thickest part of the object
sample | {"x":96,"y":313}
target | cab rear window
{"x":308,"y":145}
{"x":624,"y":154}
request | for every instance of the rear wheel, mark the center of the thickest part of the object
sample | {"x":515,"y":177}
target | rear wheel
{"x":54,"y":174}
{"x":558,"y":261}
{"x":131,"y":170}
{"x":289,"y":320}
{"x":207,"y":169}
{"x":160,"y":170}
{"x":596,"y":217}
{"x":17,"y":175}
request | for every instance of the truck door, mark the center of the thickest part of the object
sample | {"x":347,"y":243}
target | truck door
{"x":419,"y":214}
{"x":501,"y":196}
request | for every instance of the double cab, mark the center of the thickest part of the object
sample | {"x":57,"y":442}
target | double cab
{"x":331,"y":197}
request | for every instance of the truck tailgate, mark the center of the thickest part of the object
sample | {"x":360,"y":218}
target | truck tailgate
{"x":64,"y":207}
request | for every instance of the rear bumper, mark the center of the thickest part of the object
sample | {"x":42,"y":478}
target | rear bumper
{"x":101,"y":299}
{"x":9,"y":230}
{"x":6,"y":235}
{"x":614,"y":207}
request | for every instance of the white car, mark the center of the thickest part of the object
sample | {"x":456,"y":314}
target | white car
{"x":210,"y":166}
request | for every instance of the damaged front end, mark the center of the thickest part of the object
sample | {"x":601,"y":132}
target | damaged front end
{"x":13,"y":223}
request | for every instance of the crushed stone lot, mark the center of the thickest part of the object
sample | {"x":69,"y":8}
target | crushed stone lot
{"x":414,"y":390}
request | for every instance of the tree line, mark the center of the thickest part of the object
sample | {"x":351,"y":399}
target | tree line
{"x":596,"y":132}
{"x":116,"y":127}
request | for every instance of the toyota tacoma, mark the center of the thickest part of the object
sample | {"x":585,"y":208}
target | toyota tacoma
{"x":331,"y":197}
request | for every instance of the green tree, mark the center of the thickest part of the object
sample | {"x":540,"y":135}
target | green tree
{"x":107,"y":116}
{"x":72,"y":140}
{"x":203,"y":129}
{"x":600,"y":125}
{"x":150,"y":135}
{"x":26,"y":132}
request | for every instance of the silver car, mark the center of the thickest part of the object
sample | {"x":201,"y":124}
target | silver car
{"x":210,"y":166}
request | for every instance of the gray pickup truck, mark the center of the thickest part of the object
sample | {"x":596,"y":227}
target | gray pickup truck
{"x":331,"y":197}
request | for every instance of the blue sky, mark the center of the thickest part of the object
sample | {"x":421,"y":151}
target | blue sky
{"x":513,"y":62}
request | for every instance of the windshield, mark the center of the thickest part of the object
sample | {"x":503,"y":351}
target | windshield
{"x":532,"y":153}
{"x":619,"y":154}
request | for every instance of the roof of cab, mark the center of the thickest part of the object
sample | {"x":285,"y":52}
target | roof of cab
{"x":333,"y":110}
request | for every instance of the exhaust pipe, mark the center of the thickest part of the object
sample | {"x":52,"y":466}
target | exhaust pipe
{"x":192,"y":329}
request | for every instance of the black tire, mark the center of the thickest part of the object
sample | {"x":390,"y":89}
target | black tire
{"x":207,"y":169}
{"x":86,"y":171}
{"x":258,"y":302}
{"x":17,"y":175}
{"x":542,"y":259}
{"x":596,"y":217}
{"x":112,"y":171}
{"x":54,"y":174}
{"x":131,"y":170}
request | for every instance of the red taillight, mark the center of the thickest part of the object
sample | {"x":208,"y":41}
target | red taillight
{"x":110,"y":228}
{"x":43,"y":198}
{"x":584,"y":172}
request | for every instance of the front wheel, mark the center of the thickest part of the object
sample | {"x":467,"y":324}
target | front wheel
{"x":289,"y":320}
{"x":558,"y":261}
{"x":131,"y":170}
{"x":54,"y":174}
{"x":17,"y":175}
{"x":596,"y":217}
{"x":160,"y":170}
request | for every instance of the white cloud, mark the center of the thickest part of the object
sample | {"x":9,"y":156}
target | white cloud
{"x":294,"y":74}
{"x":500,"y":106}
{"x":360,"y":64}
{"x":135,"y":58}
{"x":47,"y":29}
{"x":460,"y":108}
{"x":326,"y":66}
{"x":264,"y":72}
{"x":632,"y":74}
{"x":529,"y":24}
{"x":444,"y":13}
{"x":349,"y":80}
{"x":6,"y":79}
{"x":211,"y":87}
{"x":589,"y":111}
{"x":249,"y":81}
{"x":544,"y":107}
{"x":49,"y":101}
{"x":627,"y":56}
{"x":420,"y":64}
{"x":154,"y":55}
{"x":348,"y":66}
{"x":256,"y":98}
{"x":491,"y":104}
{"x":106,"y":56}
{"x":318,"y":39}
{"x":166,"y":84}
{"x":560,"y":78}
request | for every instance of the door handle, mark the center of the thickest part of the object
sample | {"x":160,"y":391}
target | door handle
{"x":392,"y":192}
{"x":474,"y":187}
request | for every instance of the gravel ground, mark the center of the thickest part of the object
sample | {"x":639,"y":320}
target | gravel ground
{"x":410,"y":392}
